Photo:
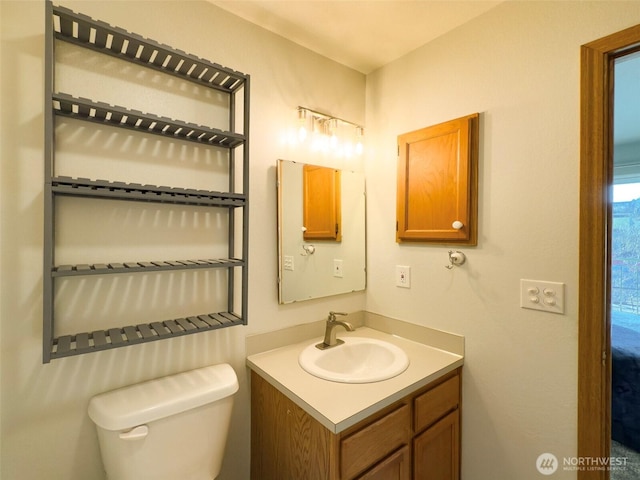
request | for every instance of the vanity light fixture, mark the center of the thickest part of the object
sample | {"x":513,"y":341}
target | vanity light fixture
{"x":329,"y":133}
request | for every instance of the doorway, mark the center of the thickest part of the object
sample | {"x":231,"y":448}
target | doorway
{"x":594,"y":306}
{"x":625,"y":270}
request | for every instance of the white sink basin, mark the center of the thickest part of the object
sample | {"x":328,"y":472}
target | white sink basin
{"x":357,"y":360}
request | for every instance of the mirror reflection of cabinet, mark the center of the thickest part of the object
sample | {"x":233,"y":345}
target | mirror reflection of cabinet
{"x":322,"y":210}
{"x":437,"y":183}
{"x":315,"y":268}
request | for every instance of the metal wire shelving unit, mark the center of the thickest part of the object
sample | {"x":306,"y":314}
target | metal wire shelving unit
{"x":68,"y":26}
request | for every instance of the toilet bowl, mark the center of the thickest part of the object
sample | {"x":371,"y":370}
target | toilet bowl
{"x":170,"y":428}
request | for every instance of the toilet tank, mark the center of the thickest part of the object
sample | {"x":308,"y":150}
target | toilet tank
{"x":170,"y":428}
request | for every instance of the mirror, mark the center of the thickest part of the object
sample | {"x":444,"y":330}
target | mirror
{"x":314,"y":260}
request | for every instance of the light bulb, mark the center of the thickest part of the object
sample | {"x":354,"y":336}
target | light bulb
{"x":359,"y":135}
{"x":348,"y":149}
{"x":302,"y":119}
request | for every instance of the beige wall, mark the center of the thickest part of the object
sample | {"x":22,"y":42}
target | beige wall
{"x":518,"y":66}
{"x":45,"y":430}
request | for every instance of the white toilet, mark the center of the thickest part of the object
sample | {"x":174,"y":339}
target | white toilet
{"x":170,"y":428}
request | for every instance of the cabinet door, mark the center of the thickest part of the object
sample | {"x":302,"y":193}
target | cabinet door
{"x":369,"y":445}
{"x":322,"y":211}
{"x":395,"y":467}
{"x":436,"y":452}
{"x":437,"y":183}
{"x":286,"y":443}
{"x":436,"y":402}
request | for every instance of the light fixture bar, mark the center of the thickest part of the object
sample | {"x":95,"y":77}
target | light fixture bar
{"x":325,"y":116}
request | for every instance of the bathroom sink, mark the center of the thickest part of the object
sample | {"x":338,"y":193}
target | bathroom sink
{"x":357,"y":360}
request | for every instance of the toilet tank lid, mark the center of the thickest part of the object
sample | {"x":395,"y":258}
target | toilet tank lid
{"x":145,"y":402}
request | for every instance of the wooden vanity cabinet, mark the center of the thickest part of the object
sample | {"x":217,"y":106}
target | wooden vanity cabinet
{"x":437,"y":426}
{"x":370,"y":442}
{"x":396,"y":466}
{"x":436,"y":450}
{"x":417,"y":437}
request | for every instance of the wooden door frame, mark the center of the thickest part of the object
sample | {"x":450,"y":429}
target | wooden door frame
{"x":596,"y":174}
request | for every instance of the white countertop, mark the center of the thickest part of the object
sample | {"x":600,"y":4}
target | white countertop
{"x":338,"y":406}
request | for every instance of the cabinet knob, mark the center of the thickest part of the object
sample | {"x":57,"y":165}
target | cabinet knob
{"x":457,"y":224}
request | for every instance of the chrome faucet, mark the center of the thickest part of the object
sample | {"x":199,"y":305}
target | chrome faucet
{"x":330,"y":333}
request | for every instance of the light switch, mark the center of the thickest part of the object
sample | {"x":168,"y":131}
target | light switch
{"x":542,"y":295}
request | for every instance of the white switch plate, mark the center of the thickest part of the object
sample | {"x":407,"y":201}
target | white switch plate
{"x":337,"y":268}
{"x":288,"y":262}
{"x":541,"y":295}
{"x":403,"y":276}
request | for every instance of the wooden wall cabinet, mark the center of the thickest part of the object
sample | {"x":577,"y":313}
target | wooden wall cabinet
{"x":417,"y":438}
{"x":437,"y":183}
{"x":322,"y":208}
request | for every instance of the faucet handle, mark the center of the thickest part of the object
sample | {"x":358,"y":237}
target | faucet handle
{"x":332,"y":315}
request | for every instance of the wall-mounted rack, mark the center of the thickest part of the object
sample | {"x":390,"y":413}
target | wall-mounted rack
{"x":65,"y":25}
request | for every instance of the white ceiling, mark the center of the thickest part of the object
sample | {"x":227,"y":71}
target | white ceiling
{"x":367,"y":34}
{"x":362,"y":34}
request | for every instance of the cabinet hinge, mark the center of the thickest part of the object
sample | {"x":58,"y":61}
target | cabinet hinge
{"x":336,"y":229}
{"x":396,"y":225}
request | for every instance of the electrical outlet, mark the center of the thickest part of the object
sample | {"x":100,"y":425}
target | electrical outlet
{"x":337,"y":268}
{"x":403,"y":276}
{"x":541,"y":295}
{"x":288,"y":262}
